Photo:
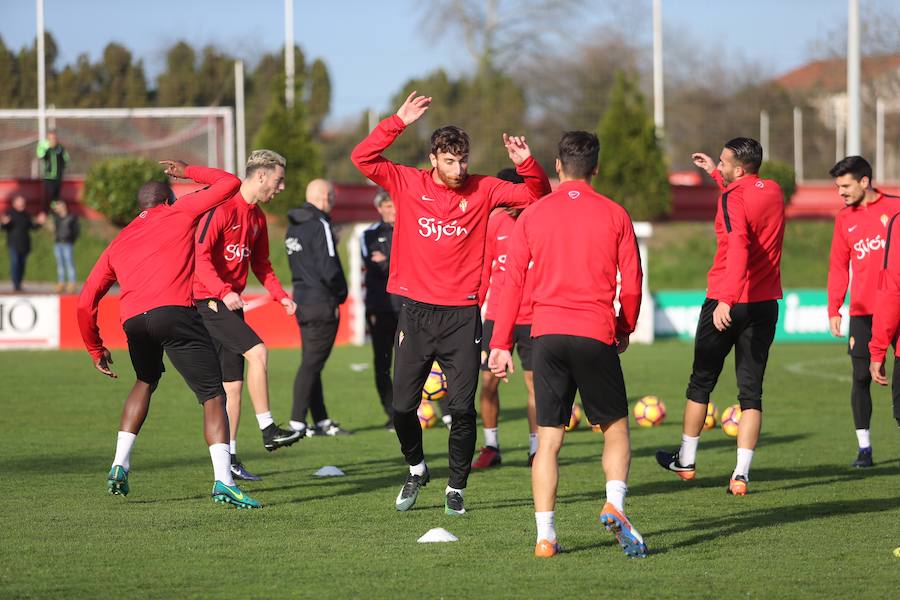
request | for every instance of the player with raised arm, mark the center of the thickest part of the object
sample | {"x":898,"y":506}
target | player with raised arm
{"x":741,"y":308}
{"x":577,"y":334}
{"x":500,"y":228}
{"x":886,"y":318}
{"x":858,"y":245}
{"x":442,"y":216}
{"x":231,"y":240}
{"x":152,"y":259}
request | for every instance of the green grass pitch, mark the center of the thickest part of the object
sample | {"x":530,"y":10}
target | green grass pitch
{"x":812,"y":527}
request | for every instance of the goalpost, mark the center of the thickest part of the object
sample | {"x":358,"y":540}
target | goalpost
{"x":200,"y":135}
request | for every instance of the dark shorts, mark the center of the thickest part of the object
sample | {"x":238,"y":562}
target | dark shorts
{"x":564,"y":364}
{"x":231,"y":336}
{"x":522,"y":342}
{"x":750,"y":334}
{"x":180,"y":332}
{"x":452,"y":336}
{"x":859,"y":336}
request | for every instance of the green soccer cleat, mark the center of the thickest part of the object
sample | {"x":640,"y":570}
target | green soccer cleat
{"x":224,"y":494}
{"x":453,"y":504}
{"x":117,"y":481}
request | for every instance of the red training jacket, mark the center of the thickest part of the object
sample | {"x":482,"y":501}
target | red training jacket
{"x":499,"y":231}
{"x":230,"y":240}
{"x":858,"y":244}
{"x":438,"y":248}
{"x":749,"y":235}
{"x":152,"y":258}
{"x":578,"y":240}
{"x":886,"y":318}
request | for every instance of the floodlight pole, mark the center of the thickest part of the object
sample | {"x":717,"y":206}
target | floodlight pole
{"x":658,"y":101}
{"x":239,"y":118}
{"x":289,"y":53}
{"x":764,"y":133}
{"x":853,"y":80}
{"x":879,"y":140}
{"x":838,"y":129}
{"x":41,"y":76}
{"x":798,"y":144}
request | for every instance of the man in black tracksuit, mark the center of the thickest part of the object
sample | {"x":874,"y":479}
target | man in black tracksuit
{"x":319,"y":289}
{"x":382,"y":308}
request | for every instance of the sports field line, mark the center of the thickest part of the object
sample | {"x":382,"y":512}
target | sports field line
{"x":809,"y":368}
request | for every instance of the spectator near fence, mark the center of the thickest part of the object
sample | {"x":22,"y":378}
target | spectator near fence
{"x":65,"y":232}
{"x":18,"y":225}
{"x":54,"y":159}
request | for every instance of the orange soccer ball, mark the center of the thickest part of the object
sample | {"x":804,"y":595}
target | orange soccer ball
{"x":731,"y":417}
{"x":649,"y":411}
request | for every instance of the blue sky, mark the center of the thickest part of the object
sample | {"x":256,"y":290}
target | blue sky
{"x":372,"y":47}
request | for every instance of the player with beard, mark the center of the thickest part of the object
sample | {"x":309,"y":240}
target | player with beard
{"x":860,"y":232}
{"x":152,"y":259}
{"x":436,"y":263}
{"x":231,"y":240}
{"x":500,"y":228}
{"x":741,"y":308}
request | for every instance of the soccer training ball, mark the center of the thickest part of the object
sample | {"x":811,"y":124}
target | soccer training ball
{"x":712,"y":416}
{"x":575,"y":419}
{"x":649,"y":411}
{"x":731,"y":416}
{"x":427,"y":415}
{"x":436,"y":385}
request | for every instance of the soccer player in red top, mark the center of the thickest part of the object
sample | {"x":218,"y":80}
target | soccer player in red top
{"x":231,"y":240}
{"x":436,"y":260}
{"x":499,"y":232}
{"x":577,"y":335}
{"x":858,"y":245}
{"x":886,"y":317}
{"x":741,"y":308}
{"x":152,"y":259}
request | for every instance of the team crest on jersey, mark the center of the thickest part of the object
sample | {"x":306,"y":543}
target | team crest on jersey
{"x":884,"y":220}
{"x":463,"y":204}
{"x":213,"y":306}
{"x":574,"y":194}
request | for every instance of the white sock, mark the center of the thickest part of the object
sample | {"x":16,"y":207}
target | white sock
{"x":532,"y":443}
{"x":491,"y":438}
{"x":264,"y":419}
{"x":546,"y":529}
{"x":448,"y":489}
{"x":221,"y":461}
{"x":124,"y":443}
{"x":687,"y":454}
{"x":323,"y":424}
{"x":863,"y":437}
{"x":298,"y":425}
{"x":744,"y":458}
{"x":615,"y":493}
{"x":418,"y":469}
{"x":233,"y":447}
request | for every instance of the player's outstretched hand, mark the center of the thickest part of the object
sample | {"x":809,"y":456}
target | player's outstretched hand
{"x":517,"y":148}
{"x":413,"y":108}
{"x":290,"y":307}
{"x":834,"y":323}
{"x":722,"y":316}
{"x":876,"y":370}
{"x":232,"y":301}
{"x":703,"y":161}
{"x":102,"y":364}
{"x":174,"y":168}
{"x":500,"y":363}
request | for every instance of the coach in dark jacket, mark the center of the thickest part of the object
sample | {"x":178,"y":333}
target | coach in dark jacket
{"x":382,"y":307}
{"x":319,"y":289}
{"x":18,"y":225}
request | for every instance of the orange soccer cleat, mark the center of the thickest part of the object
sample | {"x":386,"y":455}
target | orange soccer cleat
{"x":738,"y":486}
{"x":546,"y":549}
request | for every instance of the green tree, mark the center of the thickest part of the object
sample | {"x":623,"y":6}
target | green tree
{"x":78,"y":85}
{"x":9,"y":77}
{"x":633,"y":170}
{"x":266,"y":81}
{"x":216,"y":75}
{"x":111,"y":186}
{"x":121,"y":82}
{"x":179,"y":85}
{"x":27,"y":60}
{"x":783,"y":174}
{"x":286,"y":131}
{"x":319,"y":101}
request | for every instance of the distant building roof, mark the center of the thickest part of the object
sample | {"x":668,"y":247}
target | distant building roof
{"x":831,"y":75}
